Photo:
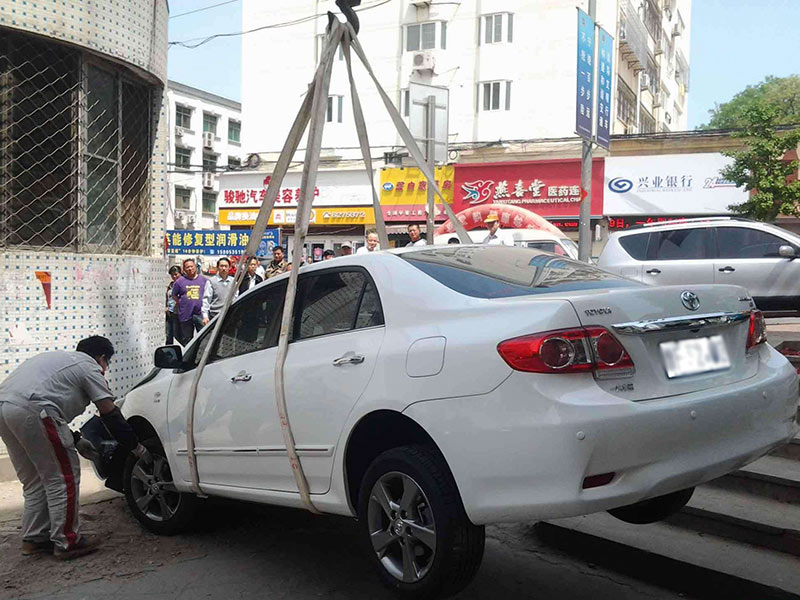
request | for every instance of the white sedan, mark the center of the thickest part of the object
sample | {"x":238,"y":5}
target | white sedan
{"x":435,"y":390}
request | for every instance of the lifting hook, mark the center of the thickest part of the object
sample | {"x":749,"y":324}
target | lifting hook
{"x":346,"y":6}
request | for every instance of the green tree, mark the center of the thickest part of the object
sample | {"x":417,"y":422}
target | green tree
{"x":761,"y":169}
{"x":779,"y":93}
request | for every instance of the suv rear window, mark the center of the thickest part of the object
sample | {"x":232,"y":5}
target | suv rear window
{"x":635,"y":245}
{"x":503,"y":271}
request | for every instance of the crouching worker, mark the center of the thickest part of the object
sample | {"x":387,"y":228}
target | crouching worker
{"x":37,"y":401}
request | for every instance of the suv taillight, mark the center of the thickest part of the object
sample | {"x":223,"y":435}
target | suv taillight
{"x":568,"y":351}
{"x":757,"y":334}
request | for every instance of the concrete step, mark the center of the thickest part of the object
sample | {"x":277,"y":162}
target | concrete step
{"x":790,"y":450}
{"x":701,"y":565}
{"x":742,"y":517}
{"x":773,"y":477}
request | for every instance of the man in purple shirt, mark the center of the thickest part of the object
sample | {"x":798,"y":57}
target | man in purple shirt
{"x":188,"y":293}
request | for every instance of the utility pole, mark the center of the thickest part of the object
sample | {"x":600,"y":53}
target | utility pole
{"x":585,"y":220}
{"x":431,"y":147}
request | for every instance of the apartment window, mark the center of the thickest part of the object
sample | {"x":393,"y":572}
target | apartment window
{"x":321,"y":44}
{"x":183,"y":116}
{"x":210,"y":123}
{"x":334,"y":112}
{"x":626,"y":104}
{"x":209,"y":162}
{"x":209,"y":203}
{"x":234,"y":131}
{"x":648,"y":123}
{"x":422,"y":36}
{"x":234,"y":161}
{"x":494,"y":95}
{"x":497,"y":28}
{"x":183,"y":158}
{"x":183,"y":198}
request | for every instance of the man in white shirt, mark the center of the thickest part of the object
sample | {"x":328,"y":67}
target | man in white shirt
{"x":217,"y":290}
{"x":416,"y":238}
{"x":496,"y":237}
{"x":372,"y":243}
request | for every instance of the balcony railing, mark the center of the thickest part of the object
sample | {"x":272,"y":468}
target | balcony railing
{"x":632,"y":37}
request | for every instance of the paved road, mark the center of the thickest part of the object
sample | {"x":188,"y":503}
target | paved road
{"x":249,"y":551}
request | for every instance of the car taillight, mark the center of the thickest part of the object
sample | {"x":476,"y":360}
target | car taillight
{"x":568,"y":351}
{"x":757,"y":334}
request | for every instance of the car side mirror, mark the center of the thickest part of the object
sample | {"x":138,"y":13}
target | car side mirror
{"x":168,"y":357}
{"x":787,"y":251}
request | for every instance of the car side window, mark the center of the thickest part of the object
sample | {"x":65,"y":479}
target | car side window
{"x":635,"y":245}
{"x":681,"y":244}
{"x":253,"y":323}
{"x":743,"y":242}
{"x":370,"y":312}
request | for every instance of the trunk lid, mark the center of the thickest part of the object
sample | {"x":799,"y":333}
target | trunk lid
{"x":644,"y":318}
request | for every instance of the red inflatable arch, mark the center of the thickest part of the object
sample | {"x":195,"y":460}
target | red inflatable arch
{"x":511,"y":217}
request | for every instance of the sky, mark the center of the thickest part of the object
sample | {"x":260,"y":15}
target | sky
{"x":734,"y":43}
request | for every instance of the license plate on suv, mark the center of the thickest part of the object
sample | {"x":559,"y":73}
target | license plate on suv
{"x":691,"y":357}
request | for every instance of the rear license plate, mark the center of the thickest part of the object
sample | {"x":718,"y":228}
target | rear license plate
{"x":690,"y":357}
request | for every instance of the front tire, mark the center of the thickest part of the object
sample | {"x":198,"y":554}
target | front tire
{"x":414,"y":524}
{"x":151,"y":495}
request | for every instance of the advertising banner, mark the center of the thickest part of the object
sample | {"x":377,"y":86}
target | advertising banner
{"x":404,"y":193}
{"x":219,"y":243}
{"x":585,"y":97}
{"x":672,"y":184}
{"x":550,"y":188}
{"x":333,"y":215}
{"x":605,"y":58}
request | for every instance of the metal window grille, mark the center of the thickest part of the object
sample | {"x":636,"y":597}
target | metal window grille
{"x":75,"y":148}
{"x":626,"y":104}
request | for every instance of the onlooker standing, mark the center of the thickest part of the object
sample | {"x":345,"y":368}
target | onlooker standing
{"x":496,"y":236}
{"x":217,"y":290}
{"x":188,"y":293}
{"x":416,"y":238}
{"x":169,"y":309}
{"x":328,"y":254}
{"x":372,"y":243}
{"x":251,"y":278}
{"x":278,"y":264}
{"x":347,"y":249}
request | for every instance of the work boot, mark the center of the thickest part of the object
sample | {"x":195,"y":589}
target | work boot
{"x":86,"y":545}
{"x":31,"y":548}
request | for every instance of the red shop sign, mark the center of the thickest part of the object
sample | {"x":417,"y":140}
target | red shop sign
{"x":550,"y":188}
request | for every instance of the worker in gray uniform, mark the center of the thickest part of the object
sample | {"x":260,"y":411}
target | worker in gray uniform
{"x":37,"y":402}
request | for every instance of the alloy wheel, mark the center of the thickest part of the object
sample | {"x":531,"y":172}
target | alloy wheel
{"x":153,"y":490}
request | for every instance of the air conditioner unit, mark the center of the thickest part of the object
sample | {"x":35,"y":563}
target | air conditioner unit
{"x":677,"y":30}
{"x":424,"y":61}
{"x":179,"y":131}
{"x":657,"y":100}
{"x":208,"y":140}
{"x":644,"y":82}
{"x":208,"y":180}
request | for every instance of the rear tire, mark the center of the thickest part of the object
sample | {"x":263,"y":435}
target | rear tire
{"x":414,"y":524}
{"x":151,"y":495}
{"x":654,"y":509}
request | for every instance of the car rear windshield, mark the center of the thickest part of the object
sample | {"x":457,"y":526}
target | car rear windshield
{"x":503,"y":271}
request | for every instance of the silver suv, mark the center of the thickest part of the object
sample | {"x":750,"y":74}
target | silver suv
{"x":755,"y":255}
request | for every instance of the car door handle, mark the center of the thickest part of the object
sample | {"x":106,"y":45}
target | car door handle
{"x":241,"y":377}
{"x":653,"y":271}
{"x":349,"y":358}
{"x":727,"y":270}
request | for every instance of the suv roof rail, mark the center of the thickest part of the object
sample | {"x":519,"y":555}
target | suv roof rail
{"x":691,"y":220}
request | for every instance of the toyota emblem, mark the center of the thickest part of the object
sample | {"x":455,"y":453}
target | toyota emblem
{"x":690,"y":300}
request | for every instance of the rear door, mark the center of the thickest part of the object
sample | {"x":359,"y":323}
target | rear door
{"x":749,"y":257}
{"x":679,"y":256}
{"x":338,"y":332}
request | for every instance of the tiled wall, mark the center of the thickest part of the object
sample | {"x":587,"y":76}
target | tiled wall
{"x":119,"y":297}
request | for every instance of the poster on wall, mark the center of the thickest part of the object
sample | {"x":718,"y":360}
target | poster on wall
{"x":404,"y":193}
{"x":219,"y":243}
{"x":671,"y":184}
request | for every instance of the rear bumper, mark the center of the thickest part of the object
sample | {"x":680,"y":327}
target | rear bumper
{"x":519,"y":453}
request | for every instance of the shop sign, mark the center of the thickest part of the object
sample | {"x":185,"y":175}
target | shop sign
{"x":335,"y":215}
{"x":404,"y":193}
{"x":219,"y":243}
{"x":688,"y":184}
{"x":548,"y":188}
{"x":617,"y":223}
{"x":250,"y":190}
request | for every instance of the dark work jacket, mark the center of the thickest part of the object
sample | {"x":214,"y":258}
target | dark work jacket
{"x":245,"y":285}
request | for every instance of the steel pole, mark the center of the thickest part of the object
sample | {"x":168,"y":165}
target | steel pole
{"x":585,"y":219}
{"x":432,"y":164}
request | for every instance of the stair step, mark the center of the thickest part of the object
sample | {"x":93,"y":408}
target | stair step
{"x":790,"y":450}
{"x":773,"y":477}
{"x":743,"y":517}
{"x":701,"y":565}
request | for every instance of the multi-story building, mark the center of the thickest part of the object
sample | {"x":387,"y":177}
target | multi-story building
{"x":510,"y":66}
{"x":82,"y":170}
{"x":204,"y":140}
